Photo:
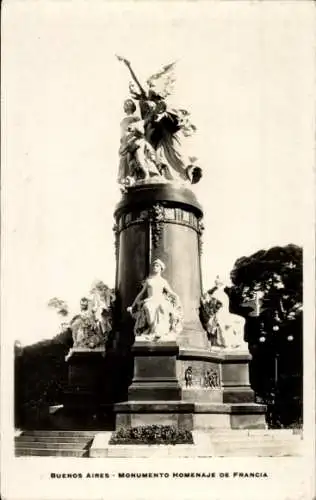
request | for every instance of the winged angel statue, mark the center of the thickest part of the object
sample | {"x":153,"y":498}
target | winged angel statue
{"x":151,"y":145}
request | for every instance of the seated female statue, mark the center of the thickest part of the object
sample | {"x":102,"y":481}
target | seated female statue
{"x":156,"y":308}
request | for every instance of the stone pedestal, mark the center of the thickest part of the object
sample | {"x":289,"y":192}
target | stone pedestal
{"x":155,"y":372}
{"x":194,"y":389}
{"x":160,"y":221}
{"x":85,"y":379}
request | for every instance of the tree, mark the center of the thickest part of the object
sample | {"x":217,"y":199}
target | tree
{"x":60,"y":306}
{"x":40,"y":377}
{"x":274,"y":332}
{"x":276,"y":273}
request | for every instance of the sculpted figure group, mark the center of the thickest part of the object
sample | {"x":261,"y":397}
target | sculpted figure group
{"x":91,"y":327}
{"x":152,"y":135}
{"x":224,"y":329}
{"x":158,"y":315}
{"x":156,"y":309}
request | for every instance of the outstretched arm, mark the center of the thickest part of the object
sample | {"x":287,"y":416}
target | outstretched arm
{"x":128,"y":64}
{"x":168,"y":289}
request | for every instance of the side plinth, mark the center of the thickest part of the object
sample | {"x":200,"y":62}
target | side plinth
{"x":220,"y":376}
{"x":218,"y":384}
{"x":86,"y":369}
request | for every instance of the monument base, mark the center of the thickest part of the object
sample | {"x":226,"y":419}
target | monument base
{"x":190,"y":416}
{"x":136,"y":413}
{"x":192,"y":389}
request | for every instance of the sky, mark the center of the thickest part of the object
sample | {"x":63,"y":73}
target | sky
{"x":244,"y":70}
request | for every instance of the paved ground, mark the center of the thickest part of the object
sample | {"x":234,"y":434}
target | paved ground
{"x":239,"y":443}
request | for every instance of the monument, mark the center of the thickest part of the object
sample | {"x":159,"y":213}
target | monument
{"x":184,"y":373}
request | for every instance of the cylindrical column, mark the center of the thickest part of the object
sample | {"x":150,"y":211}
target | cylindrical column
{"x":160,"y":220}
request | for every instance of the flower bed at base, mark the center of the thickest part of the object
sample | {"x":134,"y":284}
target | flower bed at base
{"x":152,"y":434}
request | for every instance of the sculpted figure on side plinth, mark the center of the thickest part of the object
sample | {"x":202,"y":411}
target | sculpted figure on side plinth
{"x":156,"y":309}
{"x":92,"y":326}
{"x":86,"y":331}
{"x":102,"y":306}
{"x":224,"y":329}
{"x":152,"y":143}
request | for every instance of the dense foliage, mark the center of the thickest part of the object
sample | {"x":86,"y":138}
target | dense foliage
{"x":40,"y":377}
{"x":275,"y":334}
{"x":277,"y":273}
{"x":152,"y":434}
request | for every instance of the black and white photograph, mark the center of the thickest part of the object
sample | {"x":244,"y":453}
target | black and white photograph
{"x":158,"y":272}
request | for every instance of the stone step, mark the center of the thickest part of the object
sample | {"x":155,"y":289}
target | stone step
{"x":49,"y":452}
{"x":256,"y":451}
{"x":257,"y":446}
{"x":53,"y":439}
{"x":254,"y":443}
{"x":55,"y":433}
{"x":239,"y":443}
{"x":262,"y":439}
{"x":221,"y":442}
{"x":250,"y":442}
{"x":250,"y":435}
{"x":52,"y":444}
{"x":281,"y":433}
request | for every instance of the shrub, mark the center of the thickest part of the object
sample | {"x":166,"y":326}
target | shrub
{"x":152,"y":434}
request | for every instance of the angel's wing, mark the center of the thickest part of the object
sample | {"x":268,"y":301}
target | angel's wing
{"x":162,"y":82}
{"x":184,"y":120}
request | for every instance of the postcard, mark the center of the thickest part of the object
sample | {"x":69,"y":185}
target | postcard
{"x":157,"y":250}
